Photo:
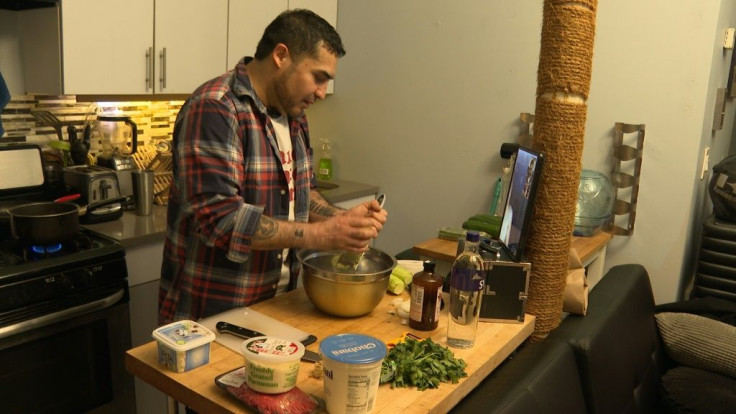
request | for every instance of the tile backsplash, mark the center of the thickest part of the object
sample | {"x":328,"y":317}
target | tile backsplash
{"x":154,"y":119}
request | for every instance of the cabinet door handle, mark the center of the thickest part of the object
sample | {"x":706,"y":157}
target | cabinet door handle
{"x":149,"y":68}
{"x":163,"y":69}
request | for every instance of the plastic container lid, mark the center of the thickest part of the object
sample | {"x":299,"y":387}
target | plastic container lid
{"x":353,"y":348}
{"x":267,"y":349}
{"x":183,"y":335}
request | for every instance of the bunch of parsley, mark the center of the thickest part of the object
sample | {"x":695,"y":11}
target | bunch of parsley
{"x":424,"y":364}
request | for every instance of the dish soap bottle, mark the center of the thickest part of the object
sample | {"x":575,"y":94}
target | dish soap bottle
{"x":426,"y":298}
{"x":505,"y":183}
{"x":466,"y":286}
{"x":324,"y":171}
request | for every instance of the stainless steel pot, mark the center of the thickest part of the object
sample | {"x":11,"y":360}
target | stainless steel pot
{"x":44,"y":223}
{"x":341,"y":291}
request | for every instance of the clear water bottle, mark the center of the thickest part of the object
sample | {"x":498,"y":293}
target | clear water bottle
{"x":466,"y":285}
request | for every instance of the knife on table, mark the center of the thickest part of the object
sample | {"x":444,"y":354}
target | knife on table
{"x":245,"y":333}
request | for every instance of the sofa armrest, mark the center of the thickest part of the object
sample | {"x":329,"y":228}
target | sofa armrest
{"x":540,"y":378}
{"x":616,"y":344}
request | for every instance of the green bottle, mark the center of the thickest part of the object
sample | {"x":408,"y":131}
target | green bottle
{"x":324,"y":171}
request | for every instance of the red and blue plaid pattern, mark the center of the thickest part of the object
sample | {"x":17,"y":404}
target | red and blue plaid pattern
{"x":227,"y":173}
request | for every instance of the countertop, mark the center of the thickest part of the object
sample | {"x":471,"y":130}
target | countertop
{"x":446,"y":250}
{"x":132,"y":230}
{"x":197,"y":389}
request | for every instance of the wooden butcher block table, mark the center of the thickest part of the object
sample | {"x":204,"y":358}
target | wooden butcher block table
{"x":197,"y":389}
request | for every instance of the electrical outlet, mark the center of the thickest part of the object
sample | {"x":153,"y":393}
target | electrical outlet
{"x":728,"y":38}
{"x":706,"y":156}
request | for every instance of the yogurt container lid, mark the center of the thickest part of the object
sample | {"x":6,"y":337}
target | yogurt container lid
{"x":352,"y":348}
{"x":271,"y":349}
{"x":183,"y":335}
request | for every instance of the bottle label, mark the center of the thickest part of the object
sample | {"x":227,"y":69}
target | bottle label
{"x":325,"y":169}
{"x":417,"y":303}
{"x":468,"y":280}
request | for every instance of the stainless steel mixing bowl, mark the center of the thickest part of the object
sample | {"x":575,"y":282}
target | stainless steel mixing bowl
{"x":340,"y":291}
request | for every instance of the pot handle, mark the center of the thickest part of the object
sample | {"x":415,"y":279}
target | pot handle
{"x":121,"y":199}
{"x":67,"y":198}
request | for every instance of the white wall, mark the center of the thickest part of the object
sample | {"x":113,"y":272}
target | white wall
{"x":429,"y":89}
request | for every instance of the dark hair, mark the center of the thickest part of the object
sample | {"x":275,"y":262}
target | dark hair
{"x":302,"y":31}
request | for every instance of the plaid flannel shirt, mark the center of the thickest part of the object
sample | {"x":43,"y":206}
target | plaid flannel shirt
{"x":227,"y":173}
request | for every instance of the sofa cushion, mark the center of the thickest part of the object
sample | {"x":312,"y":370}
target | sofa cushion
{"x":616,"y":344}
{"x":693,"y":390}
{"x":699,"y":342}
{"x":540,"y":378}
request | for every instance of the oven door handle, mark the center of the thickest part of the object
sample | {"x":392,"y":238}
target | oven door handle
{"x":62,"y":315}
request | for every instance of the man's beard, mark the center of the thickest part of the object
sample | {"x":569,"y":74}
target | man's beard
{"x":292,"y":109}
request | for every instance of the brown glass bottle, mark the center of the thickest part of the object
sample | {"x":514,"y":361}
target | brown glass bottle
{"x":426,"y":295}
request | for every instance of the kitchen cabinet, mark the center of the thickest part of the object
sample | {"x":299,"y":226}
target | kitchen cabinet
{"x":142,"y":46}
{"x":247,"y":19}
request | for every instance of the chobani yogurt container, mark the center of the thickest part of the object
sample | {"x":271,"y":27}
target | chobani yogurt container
{"x":183,"y":345}
{"x":271,"y":364}
{"x":352,"y":371}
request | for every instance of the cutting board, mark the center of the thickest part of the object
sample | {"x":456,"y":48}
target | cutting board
{"x":248,"y":318}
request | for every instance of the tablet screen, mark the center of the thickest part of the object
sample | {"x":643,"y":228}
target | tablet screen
{"x":520,"y":201}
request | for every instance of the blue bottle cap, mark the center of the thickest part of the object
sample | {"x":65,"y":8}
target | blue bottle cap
{"x":472,"y":236}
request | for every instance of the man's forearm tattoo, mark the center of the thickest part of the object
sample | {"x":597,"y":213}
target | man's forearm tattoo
{"x":267,"y":228}
{"x":321,"y":209}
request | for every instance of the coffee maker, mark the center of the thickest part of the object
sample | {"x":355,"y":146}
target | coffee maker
{"x":119,"y":139}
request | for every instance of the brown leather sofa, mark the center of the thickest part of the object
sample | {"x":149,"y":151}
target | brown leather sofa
{"x":609,"y":361}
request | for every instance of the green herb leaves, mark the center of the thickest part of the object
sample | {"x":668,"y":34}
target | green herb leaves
{"x":424,"y":364}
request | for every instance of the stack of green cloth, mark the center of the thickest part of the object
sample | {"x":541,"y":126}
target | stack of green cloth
{"x":487,"y":225}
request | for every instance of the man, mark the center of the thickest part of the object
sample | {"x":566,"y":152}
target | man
{"x":242,"y":198}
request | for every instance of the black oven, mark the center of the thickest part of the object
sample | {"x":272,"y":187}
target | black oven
{"x":64,"y":328}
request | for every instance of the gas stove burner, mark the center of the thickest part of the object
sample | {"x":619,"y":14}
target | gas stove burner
{"x":83,"y":245}
{"x":47,"y":250}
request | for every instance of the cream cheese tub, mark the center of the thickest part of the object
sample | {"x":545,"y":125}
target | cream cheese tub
{"x":352,"y":371}
{"x":271,"y":364}
{"x":183,"y":345}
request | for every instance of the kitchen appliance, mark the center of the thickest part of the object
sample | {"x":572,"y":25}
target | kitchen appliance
{"x":119,"y":138}
{"x":99,"y":190}
{"x":64,"y":321}
{"x":21,"y":168}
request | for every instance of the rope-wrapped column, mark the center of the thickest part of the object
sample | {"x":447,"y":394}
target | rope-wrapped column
{"x":563,"y":83}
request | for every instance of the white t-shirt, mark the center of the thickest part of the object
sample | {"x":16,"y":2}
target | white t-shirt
{"x":283,"y":139}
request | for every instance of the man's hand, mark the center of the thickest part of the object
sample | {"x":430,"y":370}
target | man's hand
{"x":348,"y":230}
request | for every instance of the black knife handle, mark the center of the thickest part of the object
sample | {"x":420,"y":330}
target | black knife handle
{"x":224,"y":327}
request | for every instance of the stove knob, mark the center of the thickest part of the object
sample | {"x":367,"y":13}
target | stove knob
{"x":88,"y":277}
{"x":64,"y":283}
